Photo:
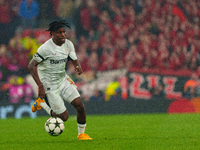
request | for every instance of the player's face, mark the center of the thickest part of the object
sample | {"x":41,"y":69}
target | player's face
{"x":59,"y":36}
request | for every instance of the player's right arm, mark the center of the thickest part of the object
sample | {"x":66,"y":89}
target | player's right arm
{"x":33,"y":70}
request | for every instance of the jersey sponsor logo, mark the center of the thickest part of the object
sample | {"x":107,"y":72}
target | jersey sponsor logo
{"x":58,"y":61}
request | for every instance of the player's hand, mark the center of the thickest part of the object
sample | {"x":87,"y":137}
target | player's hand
{"x":79,"y":70}
{"x":41,"y":92}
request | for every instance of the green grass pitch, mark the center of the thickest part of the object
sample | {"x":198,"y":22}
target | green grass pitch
{"x":109,"y":132}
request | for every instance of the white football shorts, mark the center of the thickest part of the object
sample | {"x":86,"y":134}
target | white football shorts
{"x":57,"y":97}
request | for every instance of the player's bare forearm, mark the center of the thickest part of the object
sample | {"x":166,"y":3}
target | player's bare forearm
{"x":33,"y":70}
{"x":77,"y":67}
{"x":75,"y":63}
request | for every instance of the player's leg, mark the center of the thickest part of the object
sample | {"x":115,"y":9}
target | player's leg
{"x":72,"y":96}
{"x":39,"y":104}
{"x":75,"y":100}
{"x":57,"y":107}
{"x":64,"y":116}
{"x":81,"y":118}
{"x":42,"y":104}
{"x":81,"y":113}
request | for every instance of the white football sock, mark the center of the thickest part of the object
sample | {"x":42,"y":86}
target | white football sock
{"x":81,"y":128}
{"x":46,"y":107}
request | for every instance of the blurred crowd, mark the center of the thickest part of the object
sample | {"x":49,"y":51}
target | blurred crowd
{"x":108,"y":34}
{"x":160,"y":34}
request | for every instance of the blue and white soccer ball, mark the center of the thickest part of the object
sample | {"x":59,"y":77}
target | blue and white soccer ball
{"x":54,"y":126}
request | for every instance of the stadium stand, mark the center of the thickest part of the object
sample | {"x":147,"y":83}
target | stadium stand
{"x":158,"y":35}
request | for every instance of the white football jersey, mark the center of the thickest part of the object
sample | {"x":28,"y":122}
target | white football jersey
{"x":52,"y":61}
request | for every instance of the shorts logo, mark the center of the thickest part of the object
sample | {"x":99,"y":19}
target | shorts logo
{"x":70,"y":81}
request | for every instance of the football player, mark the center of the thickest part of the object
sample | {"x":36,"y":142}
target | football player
{"x":47,"y":68}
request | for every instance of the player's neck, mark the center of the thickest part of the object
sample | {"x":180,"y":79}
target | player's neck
{"x":56,"y":42}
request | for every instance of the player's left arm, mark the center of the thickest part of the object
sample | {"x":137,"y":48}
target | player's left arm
{"x":73,"y":58}
{"x":77,"y":66}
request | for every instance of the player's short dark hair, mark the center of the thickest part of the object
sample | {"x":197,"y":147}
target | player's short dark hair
{"x":55,"y":25}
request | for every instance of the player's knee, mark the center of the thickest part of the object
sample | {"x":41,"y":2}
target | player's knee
{"x":65,"y":118}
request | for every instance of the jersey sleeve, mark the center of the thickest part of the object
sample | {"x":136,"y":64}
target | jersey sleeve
{"x":72,"y":53}
{"x":40,"y":55}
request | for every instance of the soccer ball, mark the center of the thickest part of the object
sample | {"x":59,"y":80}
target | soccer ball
{"x":54,"y":126}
